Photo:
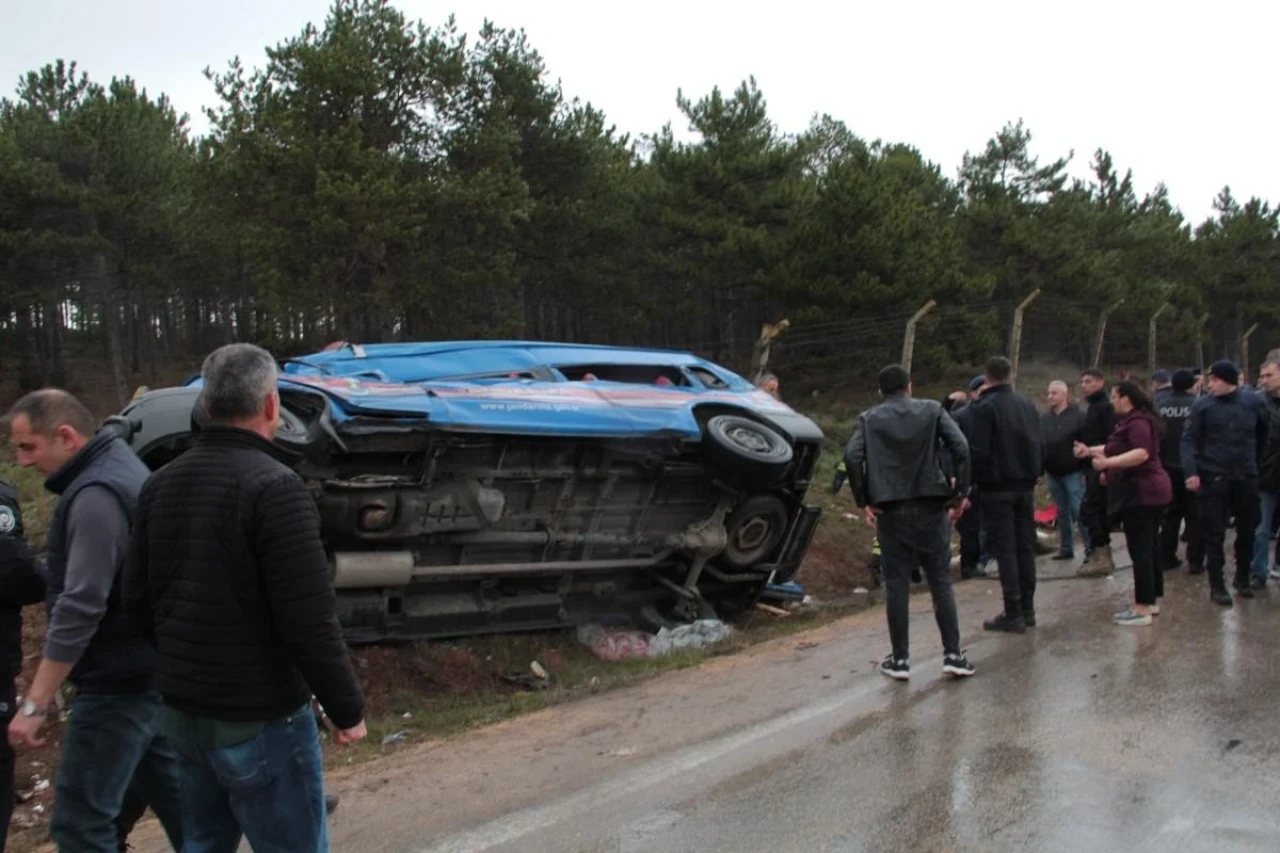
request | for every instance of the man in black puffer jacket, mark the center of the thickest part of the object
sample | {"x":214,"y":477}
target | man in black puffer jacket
{"x":1224,"y":443}
{"x":1005,"y":442}
{"x":228,"y":577}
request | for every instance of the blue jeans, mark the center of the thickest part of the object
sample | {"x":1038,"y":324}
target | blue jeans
{"x":1068,"y":493}
{"x":1261,"y":567}
{"x":112,"y":745}
{"x":269,"y":789}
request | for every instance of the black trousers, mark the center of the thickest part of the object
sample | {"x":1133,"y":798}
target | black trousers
{"x":1093,"y":511}
{"x":970,"y":529}
{"x":1009,"y":519}
{"x":1183,"y":508}
{"x":1219,"y":500}
{"x":8,"y":708}
{"x":917,"y":535}
{"x":1142,"y":536}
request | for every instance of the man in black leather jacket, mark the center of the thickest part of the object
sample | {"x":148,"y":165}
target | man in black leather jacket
{"x":1006,"y":444}
{"x":1099,"y":422}
{"x":897,"y":476}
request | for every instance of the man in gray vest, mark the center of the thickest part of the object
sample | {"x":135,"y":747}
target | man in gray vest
{"x":111,"y":744}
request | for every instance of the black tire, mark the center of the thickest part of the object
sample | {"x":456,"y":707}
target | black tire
{"x":754,"y":528}
{"x":746,"y":451}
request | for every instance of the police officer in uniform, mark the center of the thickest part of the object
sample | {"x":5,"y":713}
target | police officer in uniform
{"x":1174,"y":405}
{"x":21,"y":583}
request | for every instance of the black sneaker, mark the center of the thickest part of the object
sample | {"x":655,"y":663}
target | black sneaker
{"x":1060,"y":557}
{"x":1006,"y":623}
{"x":957,"y":665}
{"x":1221,"y":596}
{"x":1172,"y":564}
{"x":897,"y":669}
{"x":1257,"y":583}
{"x":1029,"y":618}
{"x":1243,"y":589}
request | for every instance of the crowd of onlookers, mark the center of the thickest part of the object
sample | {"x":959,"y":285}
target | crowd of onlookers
{"x":193,"y":612}
{"x":1182,"y":460}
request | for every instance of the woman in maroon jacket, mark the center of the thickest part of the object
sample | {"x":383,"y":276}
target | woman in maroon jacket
{"x":1139,"y":490}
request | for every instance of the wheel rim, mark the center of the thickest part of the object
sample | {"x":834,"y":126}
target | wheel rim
{"x":748,"y":439}
{"x":752,"y":533}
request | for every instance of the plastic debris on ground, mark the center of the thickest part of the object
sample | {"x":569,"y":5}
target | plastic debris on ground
{"x":394,"y":738}
{"x":537,"y":677}
{"x":783,"y":592}
{"x":615,"y":644}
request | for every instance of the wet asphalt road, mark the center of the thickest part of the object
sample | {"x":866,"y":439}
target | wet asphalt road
{"x":1078,"y":736}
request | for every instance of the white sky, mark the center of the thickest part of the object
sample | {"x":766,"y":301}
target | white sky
{"x":1179,"y":92}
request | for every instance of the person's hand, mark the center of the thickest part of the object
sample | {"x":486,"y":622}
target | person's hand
{"x":23,"y":729}
{"x":960,"y":510}
{"x":870,"y":513}
{"x":344,"y":737}
{"x":1101,"y":463}
{"x":1080,"y":450}
{"x":1193,"y":484}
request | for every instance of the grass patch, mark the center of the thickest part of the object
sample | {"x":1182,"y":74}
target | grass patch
{"x":476,"y":695}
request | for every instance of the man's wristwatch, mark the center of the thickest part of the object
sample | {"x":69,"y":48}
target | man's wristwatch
{"x":30,"y":709}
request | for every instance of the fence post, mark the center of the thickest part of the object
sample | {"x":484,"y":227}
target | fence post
{"x":1244,"y":354}
{"x":760,"y":352}
{"x":909,"y":337}
{"x":1015,"y":339}
{"x":1151,"y":339}
{"x":1200,"y":327}
{"x":1102,"y":332}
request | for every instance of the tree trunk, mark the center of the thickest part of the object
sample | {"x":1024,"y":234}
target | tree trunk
{"x":53,"y":331}
{"x":109,"y":294}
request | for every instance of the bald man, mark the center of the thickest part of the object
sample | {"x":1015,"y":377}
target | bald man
{"x":1061,"y":427}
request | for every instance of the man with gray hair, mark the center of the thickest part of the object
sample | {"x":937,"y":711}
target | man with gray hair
{"x":227,"y":576}
{"x":1060,"y":428}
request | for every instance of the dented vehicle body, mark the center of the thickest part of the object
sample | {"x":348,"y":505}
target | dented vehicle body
{"x":481,"y":487}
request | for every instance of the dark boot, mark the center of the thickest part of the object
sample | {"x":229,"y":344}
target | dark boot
{"x":1028,"y":613}
{"x":1010,"y":621}
{"x":1219,"y":595}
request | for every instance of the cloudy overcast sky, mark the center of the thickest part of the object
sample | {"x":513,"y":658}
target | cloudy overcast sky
{"x":1180,"y":93}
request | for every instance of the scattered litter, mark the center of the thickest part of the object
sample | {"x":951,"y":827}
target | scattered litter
{"x":25,"y":821}
{"x":620,"y":753}
{"x":41,"y":785}
{"x":859,"y":590}
{"x":38,"y":808}
{"x":538,"y":671}
{"x":397,"y":737}
{"x":406,"y":716}
{"x":1233,"y":743}
{"x":806,"y":645}
{"x":614,"y":645}
{"x":695,"y":635}
{"x":790,"y":592}
{"x":850,"y":516}
{"x":23,"y":796}
{"x":769,"y":608}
